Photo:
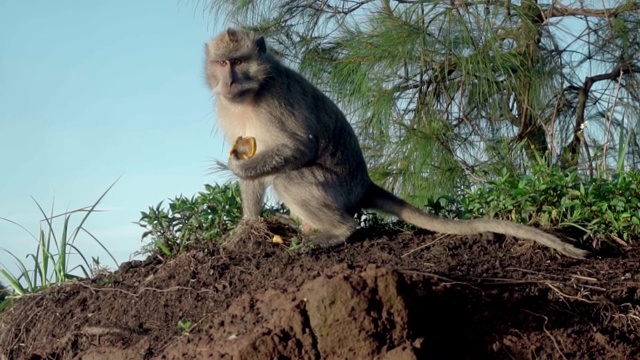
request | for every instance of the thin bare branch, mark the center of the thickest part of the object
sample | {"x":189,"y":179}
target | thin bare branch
{"x":558,"y":10}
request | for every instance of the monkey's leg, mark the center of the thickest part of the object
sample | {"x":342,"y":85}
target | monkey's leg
{"x":323,"y":225}
{"x":250,"y":227}
{"x":326,"y":236}
{"x":324,"y":216}
{"x":252,"y":197}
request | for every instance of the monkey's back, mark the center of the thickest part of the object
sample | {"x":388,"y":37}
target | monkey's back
{"x":339,"y":164}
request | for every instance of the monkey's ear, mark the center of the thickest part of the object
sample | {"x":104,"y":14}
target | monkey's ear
{"x":262,"y":47}
{"x":232,"y":34}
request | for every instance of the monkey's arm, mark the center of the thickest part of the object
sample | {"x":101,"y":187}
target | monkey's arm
{"x":273,"y":161}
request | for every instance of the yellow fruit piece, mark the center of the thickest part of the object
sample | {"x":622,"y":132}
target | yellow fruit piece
{"x":244,"y":147}
{"x":277,"y":239}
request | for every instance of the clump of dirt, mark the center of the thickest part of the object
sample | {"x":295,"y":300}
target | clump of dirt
{"x":385,"y":295}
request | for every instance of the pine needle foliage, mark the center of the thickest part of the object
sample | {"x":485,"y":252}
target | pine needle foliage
{"x":445,"y":94}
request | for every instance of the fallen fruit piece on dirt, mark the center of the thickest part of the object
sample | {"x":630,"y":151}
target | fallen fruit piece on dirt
{"x":277,"y":239}
{"x":244,"y":147}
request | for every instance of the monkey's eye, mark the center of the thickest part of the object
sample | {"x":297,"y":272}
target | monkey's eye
{"x":236,"y":61}
{"x":222,"y":62}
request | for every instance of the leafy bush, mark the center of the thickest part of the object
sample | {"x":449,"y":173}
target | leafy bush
{"x":206,"y":216}
{"x":603,"y":208}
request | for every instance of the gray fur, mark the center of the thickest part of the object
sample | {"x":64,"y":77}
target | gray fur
{"x":309,"y":152}
{"x":253,"y":196}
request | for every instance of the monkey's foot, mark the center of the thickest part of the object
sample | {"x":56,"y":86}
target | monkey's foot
{"x":247,"y":232}
{"x":324,"y":241}
{"x":285,"y":220}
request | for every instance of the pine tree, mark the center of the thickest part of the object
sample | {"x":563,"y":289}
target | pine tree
{"x":445,"y":93}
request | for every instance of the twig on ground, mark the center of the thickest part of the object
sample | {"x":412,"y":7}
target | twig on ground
{"x":423,"y":246}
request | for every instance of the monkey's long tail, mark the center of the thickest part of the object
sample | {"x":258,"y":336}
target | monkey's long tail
{"x":380,"y":199}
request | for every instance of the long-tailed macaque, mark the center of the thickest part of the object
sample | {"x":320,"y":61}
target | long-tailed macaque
{"x":307,"y":150}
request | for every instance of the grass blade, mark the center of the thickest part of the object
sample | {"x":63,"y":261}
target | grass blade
{"x":91,"y":210}
{"x":102,"y":246}
{"x":20,"y":226}
{"x":14,"y":282}
{"x":24,"y":273}
{"x":61,"y":264}
{"x":46,"y":256}
{"x":86,"y":274}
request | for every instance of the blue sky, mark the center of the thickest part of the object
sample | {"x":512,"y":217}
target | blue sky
{"x":94,"y":90}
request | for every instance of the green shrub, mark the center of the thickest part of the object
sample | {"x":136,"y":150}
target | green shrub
{"x":603,"y":208}
{"x":600,"y":208}
{"x":204,"y":217}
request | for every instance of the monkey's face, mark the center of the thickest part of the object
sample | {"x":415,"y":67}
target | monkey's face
{"x":235,"y":66}
{"x":233,"y":78}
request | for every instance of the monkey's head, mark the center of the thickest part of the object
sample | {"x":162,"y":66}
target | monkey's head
{"x":236,"y":64}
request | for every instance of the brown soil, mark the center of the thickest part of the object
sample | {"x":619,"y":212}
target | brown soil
{"x":385,"y":295}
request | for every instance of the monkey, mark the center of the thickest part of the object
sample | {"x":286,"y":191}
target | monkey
{"x":308,"y":151}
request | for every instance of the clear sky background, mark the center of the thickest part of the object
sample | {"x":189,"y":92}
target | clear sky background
{"x":94,"y":90}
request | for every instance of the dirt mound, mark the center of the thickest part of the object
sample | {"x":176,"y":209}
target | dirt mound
{"x":386,"y":295}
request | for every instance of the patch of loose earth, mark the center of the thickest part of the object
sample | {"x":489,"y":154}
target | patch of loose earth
{"x":386,"y":295}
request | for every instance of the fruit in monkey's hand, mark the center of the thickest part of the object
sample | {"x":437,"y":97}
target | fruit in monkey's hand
{"x":244,"y":148}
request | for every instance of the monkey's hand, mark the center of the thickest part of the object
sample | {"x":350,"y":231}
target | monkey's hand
{"x":272,"y":161}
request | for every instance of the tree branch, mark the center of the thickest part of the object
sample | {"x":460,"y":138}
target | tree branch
{"x":558,"y":10}
{"x":583,"y":94}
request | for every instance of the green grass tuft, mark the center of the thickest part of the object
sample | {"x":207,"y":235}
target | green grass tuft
{"x":50,"y":263}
